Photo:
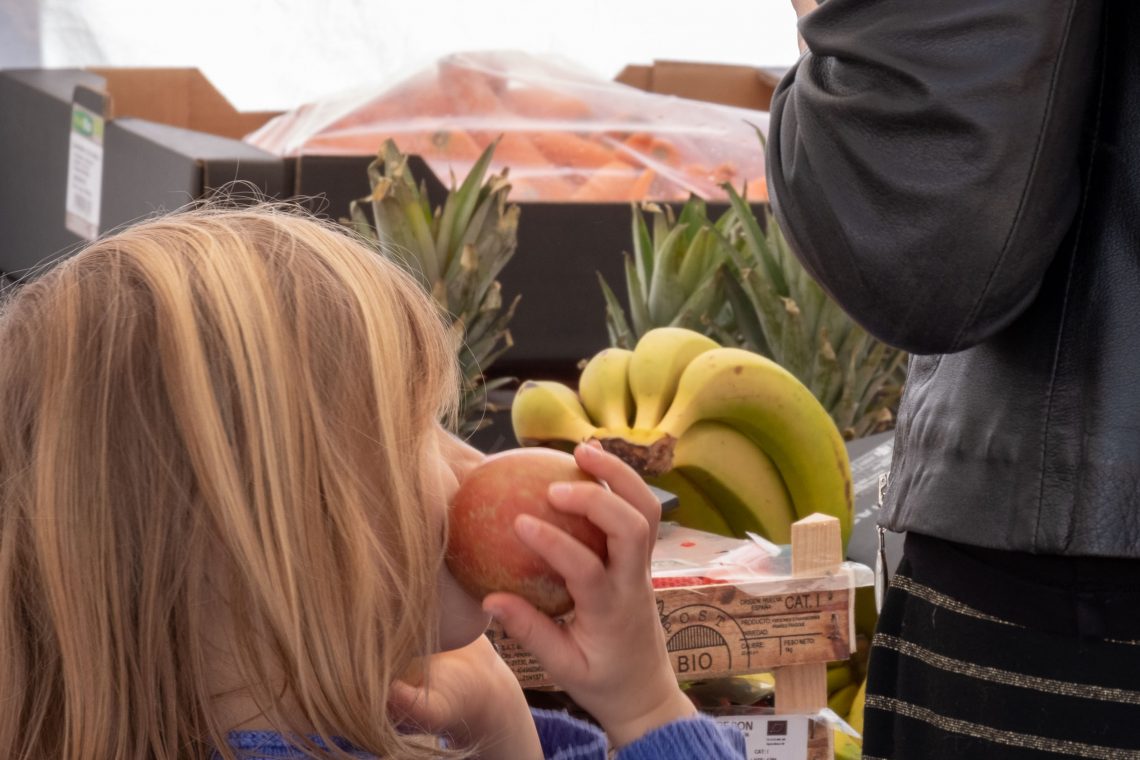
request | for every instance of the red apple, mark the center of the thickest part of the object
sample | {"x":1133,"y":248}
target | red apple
{"x":483,"y":552}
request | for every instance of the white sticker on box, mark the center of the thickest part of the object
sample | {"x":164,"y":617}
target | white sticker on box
{"x":84,"y":172}
{"x":772,"y":737}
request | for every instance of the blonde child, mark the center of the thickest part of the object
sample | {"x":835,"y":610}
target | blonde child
{"x":223,"y":498}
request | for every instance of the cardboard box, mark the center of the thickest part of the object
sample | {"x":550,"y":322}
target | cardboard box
{"x":157,"y":151}
{"x":170,"y":138}
{"x":720,"y":622}
{"x":740,"y":86}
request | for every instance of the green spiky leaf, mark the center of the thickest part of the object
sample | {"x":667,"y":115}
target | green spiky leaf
{"x":616,"y":324}
{"x":638,"y":308}
{"x":642,"y":254}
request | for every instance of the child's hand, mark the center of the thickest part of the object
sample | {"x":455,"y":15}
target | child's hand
{"x":474,"y":700}
{"x":610,"y":657}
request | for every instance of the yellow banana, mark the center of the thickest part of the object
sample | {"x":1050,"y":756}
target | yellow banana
{"x":768,"y":404}
{"x":855,"y":714}
{"x":842,"y":700}
{"x":693,"y":510}
{"x":547,"y":412}
{"x":839,"y":676}
{"x":604,"y":388}
{"x":846,"y":747}
{"x":738,"y":478}
{"x":658,"y":360}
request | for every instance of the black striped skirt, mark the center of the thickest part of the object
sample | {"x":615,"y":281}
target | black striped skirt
{"x":988,"y":654}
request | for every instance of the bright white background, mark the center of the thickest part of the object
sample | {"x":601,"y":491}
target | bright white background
{"x":276,"y":54}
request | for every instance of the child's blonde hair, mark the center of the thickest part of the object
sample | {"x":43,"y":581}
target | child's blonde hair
{"x":218,"y":410}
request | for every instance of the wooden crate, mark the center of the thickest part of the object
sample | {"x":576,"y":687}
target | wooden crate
{"x":714,"y":631}
{"x":721,"y":629}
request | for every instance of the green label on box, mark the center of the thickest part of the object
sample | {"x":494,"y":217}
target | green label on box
{"x":86,"y":123}
{"x":84,"y":173}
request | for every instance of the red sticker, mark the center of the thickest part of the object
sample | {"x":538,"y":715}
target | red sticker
{"x":686,"y":581}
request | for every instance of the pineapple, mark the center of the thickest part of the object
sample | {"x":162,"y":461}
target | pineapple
{"x":673,"y":276}
{"x":781,"y":312}
{"x":739,"y":283}
{"x":456,"y":252}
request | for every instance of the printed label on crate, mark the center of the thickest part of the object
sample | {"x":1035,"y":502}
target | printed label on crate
{"x":771,"y":737}
{"x":724,"y":629}
{"x":719,"y":630}
{"x":84,"y":172}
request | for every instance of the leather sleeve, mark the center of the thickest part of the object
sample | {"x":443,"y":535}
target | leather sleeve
{"x":923,"y":157}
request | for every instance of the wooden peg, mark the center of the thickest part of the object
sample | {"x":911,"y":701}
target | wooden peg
{"x":817,"y":549}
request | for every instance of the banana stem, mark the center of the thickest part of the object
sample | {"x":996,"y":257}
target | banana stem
{"x":648,"y":459}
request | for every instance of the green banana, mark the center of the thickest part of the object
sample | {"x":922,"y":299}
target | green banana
{"x":769,"y":405}
{"x":604,"y":388}
{"x":694,"y":510}
{"x":658,"y":360}
{"x":547,"y":412}
{"x":738,"y":478}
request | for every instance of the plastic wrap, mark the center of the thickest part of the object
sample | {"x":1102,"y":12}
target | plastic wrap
{"x":565,"y":135}
{"x":693,"y":559}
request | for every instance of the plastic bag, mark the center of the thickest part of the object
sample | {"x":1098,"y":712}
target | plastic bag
{"x":565,"y":135}
{"x":692,"y":558}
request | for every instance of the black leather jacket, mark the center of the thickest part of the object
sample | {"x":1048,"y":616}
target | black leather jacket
{"x":963,"y":176}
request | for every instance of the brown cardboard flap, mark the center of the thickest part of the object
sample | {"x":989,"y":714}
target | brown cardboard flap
{"x":178,"y":97}
{"x":637,"y":76}
{"x":740,"y":86}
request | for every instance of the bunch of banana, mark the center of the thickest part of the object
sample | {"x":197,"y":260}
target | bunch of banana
{"x":847,"y":748}
{"x":842,"y":686}
{"x":846,"y":700}
{"x":846,"y":691}
{"x":740,"y":440}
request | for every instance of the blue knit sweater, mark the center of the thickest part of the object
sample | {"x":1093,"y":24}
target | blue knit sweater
{"x":563,"y":738}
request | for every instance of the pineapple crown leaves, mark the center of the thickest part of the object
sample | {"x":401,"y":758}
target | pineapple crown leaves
{"x":487,"y":336}
{"x":638,"y":298}
{"x":456,"y":251}
{"x":671,"y":274}
{"x":617,"y":326}
{"x":788,"y":305}
{"x":402,"y":213}
{"x":642,"y":254}
{"x":781,"y":311}
{"x":665,"y":292}
{"x":464,"y":244}
{"x":746,"y":310}
{"x":760,"y":253}
{"x":737,"y":280}
{"x":696,"y":313}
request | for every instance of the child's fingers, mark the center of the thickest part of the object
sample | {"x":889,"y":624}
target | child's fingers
{"x":622,"y":479}
{"x":627,"y":531}
{"x":536,"y":632}
{"x":583,"y":571}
